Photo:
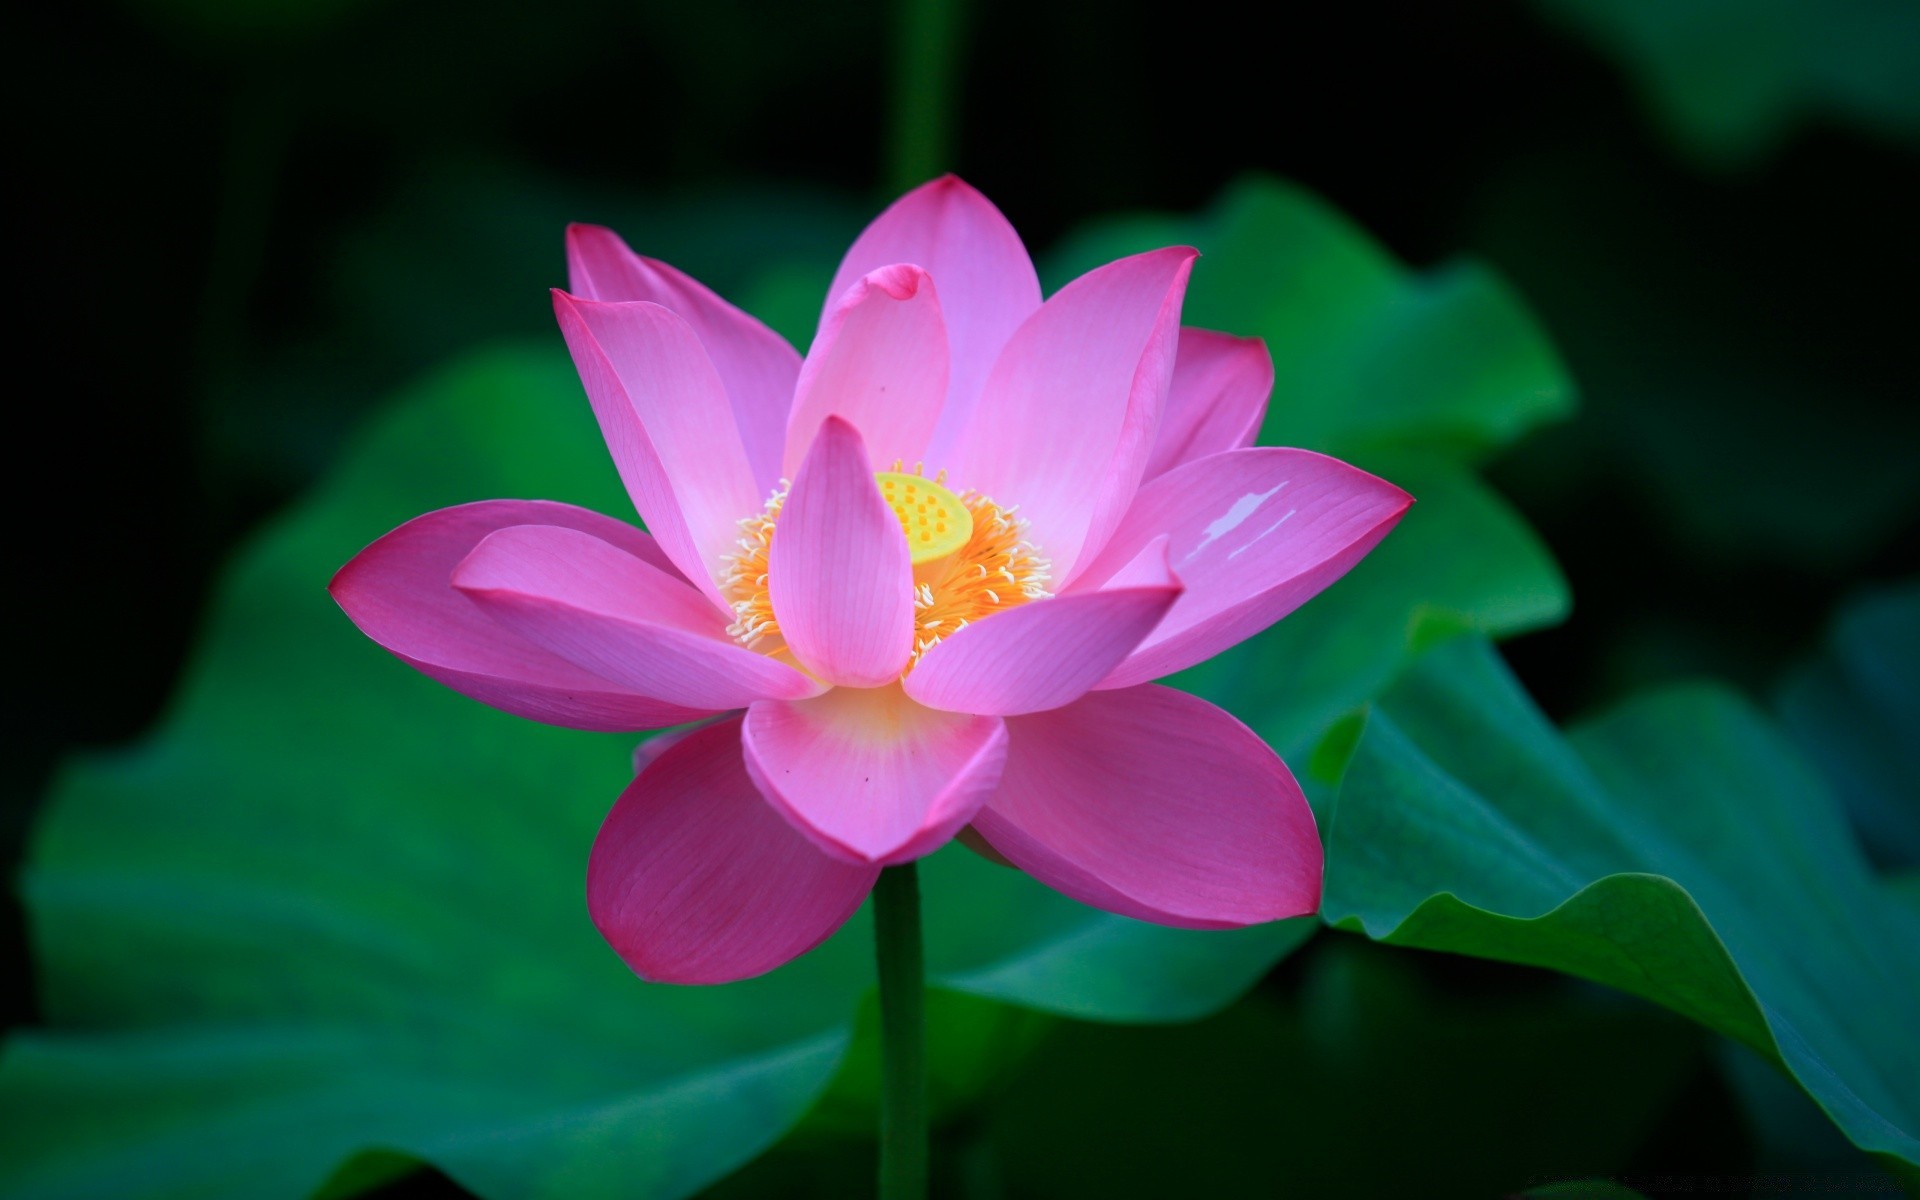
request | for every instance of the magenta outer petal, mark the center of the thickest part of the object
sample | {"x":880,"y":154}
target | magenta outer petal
{"x":693,"y":879}
{"x":870,"y":776}
{"x":1067,"y":418}
{"x":838,"y":571}
{"x":880,"y":362}
{"x":1217,"y":400}
{"x":670,"y":427}
{"x":987,"y":283}
{"x":646,"y":752}
{"x":1255,"y":534}
{"x":1045,"y":653}
{"x":596,"y":605}
{"x":756,"y":364}
{"x":399,"y":591}
{"x":1155,"y":804}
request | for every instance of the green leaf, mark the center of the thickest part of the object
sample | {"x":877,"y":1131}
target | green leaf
{"x":1676,"y":849}
{"x":1855,"y":709}
{"x":1367,"y":1079}
{"x":1729,"y":79}
{"x":1367,"y":353}
{"x":328,"y":908}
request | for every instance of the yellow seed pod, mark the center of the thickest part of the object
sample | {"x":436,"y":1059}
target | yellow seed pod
{"x":936,"y":522}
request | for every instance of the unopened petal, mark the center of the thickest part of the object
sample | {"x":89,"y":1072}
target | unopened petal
{"x":880,"y":362}
{"x":986,"y":281}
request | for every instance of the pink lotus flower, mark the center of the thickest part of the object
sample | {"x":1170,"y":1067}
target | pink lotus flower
{"x":1005,"y":519}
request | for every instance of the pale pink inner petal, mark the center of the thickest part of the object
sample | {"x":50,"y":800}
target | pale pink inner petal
{"x":1155,"y":804}
{"x":756,"y":364}
{"x":596,"y":605}
{"x":880,"y":362}
{"x":670,"y":426}
{"x":868,"y":774}
{"x":399,"y":592}
{"x":1253,"y":534}
{"x":694,"y":879}
{"x":1217,"y":400}
{"x":838,"y":570}
{"x":1067,"y":418}
{"x":986,"y":280}
{"x":1045,"y":653}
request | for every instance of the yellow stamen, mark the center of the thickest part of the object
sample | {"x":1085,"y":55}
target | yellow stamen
{"x":745,"y":583}
{"x":997,"y":569}
{"x":971,"y":559}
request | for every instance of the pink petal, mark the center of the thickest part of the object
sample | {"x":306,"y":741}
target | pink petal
{"x":838,"y":570}
{"x":868,"y":774}
{"x":1045,"y":653}
{"x":880,"y":361}
{"x":595,"y":605}
{"x":1067,"y":418}
{"x":1255,"y":534}
{"x":755,"y":363}
{"x":660,"y":743}
{"x":399,"y":591}
{"x":693,"y":879}
{"x":1217,"y":400}
{"x":667,"y":420}
{"x":1155,"y":804}
{"x":971,"y":839}
{"x":986,"y":281}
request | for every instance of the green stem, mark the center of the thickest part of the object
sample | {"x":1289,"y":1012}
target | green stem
{"x":903,"y":1035}
{"x":927,"y":53}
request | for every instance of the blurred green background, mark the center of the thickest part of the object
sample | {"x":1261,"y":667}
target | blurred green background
{"x":1623,"y":291}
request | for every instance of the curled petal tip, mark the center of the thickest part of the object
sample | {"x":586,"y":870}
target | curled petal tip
{"x":901,"y":281}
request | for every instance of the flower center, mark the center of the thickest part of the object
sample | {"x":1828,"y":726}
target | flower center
{"x":970,"y":559}
{"x":936,"y":522}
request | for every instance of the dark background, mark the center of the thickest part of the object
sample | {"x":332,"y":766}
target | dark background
{"x":243,"y":226}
